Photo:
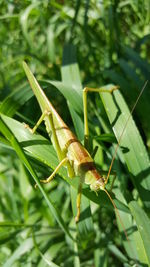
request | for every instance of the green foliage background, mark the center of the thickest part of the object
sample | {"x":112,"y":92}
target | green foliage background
{"x":110,"y":40}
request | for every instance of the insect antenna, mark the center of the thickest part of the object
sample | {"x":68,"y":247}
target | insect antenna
{"x":117,"y":212}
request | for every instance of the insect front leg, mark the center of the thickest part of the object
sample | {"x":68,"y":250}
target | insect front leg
{"x":63,"y":159}
{"x":44,"y":114}
{"x":45,"y":181}
{"x":49,"y":115}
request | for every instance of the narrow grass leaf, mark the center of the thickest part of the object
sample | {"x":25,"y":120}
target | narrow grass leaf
{"x":25,"y":247}
{"x":69,"y":93}
{"x":71,"y":77}
{"x":143,"y":225}
{"x":134,"y":151}
{"x":130,"y":72}
{"x":138,"y":61}
{"x":24,"y":21}
{"x":15,"y":144}
{"x":51,"y":43}
{"x":118,"y":253}
{"x":15,"y":100}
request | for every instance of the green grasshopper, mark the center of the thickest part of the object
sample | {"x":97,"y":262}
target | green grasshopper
{"x":71,"y":153}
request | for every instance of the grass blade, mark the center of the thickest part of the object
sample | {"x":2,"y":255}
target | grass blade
{"x":15,"y":144}
{"x":134,"y":151}
{"x":143,"y":224}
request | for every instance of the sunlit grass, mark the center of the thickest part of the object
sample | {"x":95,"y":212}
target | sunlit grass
{"x":36,"y":226}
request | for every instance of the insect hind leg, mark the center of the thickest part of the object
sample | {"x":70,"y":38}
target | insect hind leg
{"x":105,"y":89}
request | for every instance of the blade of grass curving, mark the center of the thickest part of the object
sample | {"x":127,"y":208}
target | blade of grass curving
{"x":15,"y":100}
{"x":9,"y":16}
{"x":15,"y":144}
{"x":69,"y":93}
{"x":24,"y":21}
{"x":134,"y":153}
{"x":7,"y":236}
{"x":44,"y":258}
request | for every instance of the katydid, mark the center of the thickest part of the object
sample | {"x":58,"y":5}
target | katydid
{"x":71,"y":153}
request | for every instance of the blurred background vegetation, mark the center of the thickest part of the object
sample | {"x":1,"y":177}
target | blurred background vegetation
{"x":112,"y":42}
